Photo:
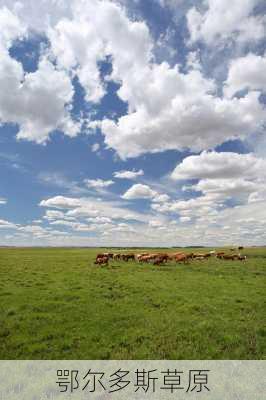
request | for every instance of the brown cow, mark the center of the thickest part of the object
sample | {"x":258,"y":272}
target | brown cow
{"x":101,"y":260}
{"x":159,"y":260}
{"x":147,"y":258}
{"x":182,"y":258}
{"x":126,"y":257}
{"x":230,"y":257}
{"x":117,"y":256}
{"x":220,"y":254}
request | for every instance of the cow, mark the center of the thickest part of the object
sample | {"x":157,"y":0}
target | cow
{"x":117,"y":256}
{"x":126,"y":257}
{"x":163,"y":256}
{"x":230,"y":257}
{"x":159,"y":260}
{"x":181,"y":258}
{"x":173,"y":255}
{"x":220,"y":254}
{"x":148,"y":258}
{"x":101,"y":260}
{"x":138,"y":256}
{"x":242,"y":258}
{"x":240,"y":248}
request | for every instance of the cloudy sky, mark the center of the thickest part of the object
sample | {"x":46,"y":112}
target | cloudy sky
{"x":132,"y":122}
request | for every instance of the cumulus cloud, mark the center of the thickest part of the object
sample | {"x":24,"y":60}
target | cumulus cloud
{"x":39,"y":102}
{"x":7,"y":225}
{"x":223,"y":176}
{"x":225,"y":20}
{"x":39,"y":15}
{"x":223,"y":165}
{"x":2,"y":201}
{"x":178,"y":111}
{"x":91,"y":207}
{"x":167,"y":108}
{"x":139,"y":191}
{"x":227,"y":188}
{"x":11,"y":28}
{"x":95,"y":147}
{"x":98,"y":183}
{"x":61,"y":202}
{"x":99,"y":29}
{"x":247,"y":72}
{"x":36,"y":101}
{"x":128,"y":174}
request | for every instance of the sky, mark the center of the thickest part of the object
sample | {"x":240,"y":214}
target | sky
{"x":132,"y":123}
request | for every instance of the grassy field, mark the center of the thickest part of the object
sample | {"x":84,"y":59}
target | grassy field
{"x":56,"y":304}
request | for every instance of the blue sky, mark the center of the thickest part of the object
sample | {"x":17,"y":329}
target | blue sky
{"x":132,"y":123}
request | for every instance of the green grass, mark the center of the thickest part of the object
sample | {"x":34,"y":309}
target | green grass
{"x":56,"y":304}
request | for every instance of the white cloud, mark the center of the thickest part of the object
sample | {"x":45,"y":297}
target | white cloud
{"x":139,"y":191}
{"x":177,"y":111}
{"x":161,"y":198}
{"x":214,"y":165}
{"x":225,"y":20}
{"x":95,"y":147}
{"x":227,"y":188}
{"x":36,"y":101}
{"x":99,"y":29}
{"x":2,"y":201}
{"x":128,"y":174}
{"x":61,"y":202}
{"x":39,"y":102}
{"x":246,"y":72}
{"x":91,"y":207}
{"x":7,"y":225}
{"x":98,"y":183}
{"x":11,"y":28}
{"x":185,"y":219}
{"x":167,"y":109}
{"x":39,"y":15}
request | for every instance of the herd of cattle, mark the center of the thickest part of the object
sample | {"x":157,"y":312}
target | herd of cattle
{"x":162,"y":258}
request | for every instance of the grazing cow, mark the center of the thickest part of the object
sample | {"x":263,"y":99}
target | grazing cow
{"x":182,"y":258}
{"x":138,"y":256}
{"x":163,"y":256}
{"x":173,"y":255}
{"x":101,"y":260}
{"x":242,"y":258}
{"x":142,"y":259}
{"x":230,"y":257}
{"x":117,"y":256}
{"x":190,"y":255}
{"x":220,"y":254}
{"x":148,"y":258}
{"x":159,"y":260}
{"x":240,"y":248}
{"x":126,"y":257}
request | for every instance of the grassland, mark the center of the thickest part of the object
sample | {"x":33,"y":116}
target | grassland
{"x":56,"y":304}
